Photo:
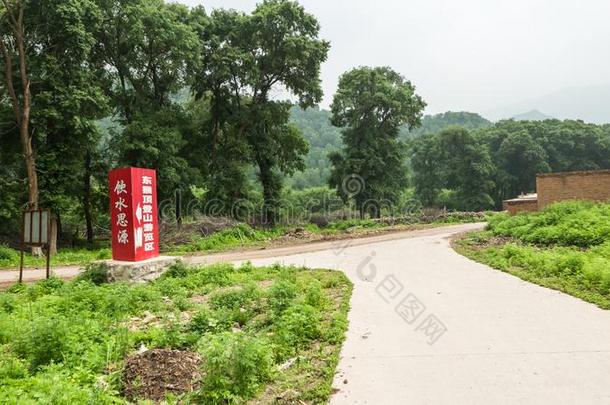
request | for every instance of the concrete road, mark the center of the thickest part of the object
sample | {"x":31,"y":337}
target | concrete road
{"x":428,"y":326}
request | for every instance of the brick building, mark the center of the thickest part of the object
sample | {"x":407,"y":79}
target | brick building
{"x":553,"y":187}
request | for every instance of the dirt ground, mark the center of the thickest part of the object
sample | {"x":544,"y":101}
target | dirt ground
{"x":153,"y":373}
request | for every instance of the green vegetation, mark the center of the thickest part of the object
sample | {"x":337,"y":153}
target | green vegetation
{"x":260,"y":332}
{"x":9,"y":258}
{"x":323,"y":139}
{"x":370,"y":106}
{"x":233,"y":237}
{"x":432,"y":124}
{"x":205,"y":104}
{"x":565,"y":247}
{"x":478,"y":169}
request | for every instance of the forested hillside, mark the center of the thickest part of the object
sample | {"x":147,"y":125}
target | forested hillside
{"x":432,"y":124}
{"x":324,"y":138}
{"x":477,"y":169}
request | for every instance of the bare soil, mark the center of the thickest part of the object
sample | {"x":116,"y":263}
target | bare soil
{"x":154,"y":373}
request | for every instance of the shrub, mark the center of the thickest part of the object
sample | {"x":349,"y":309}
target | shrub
{"x":177,"y":270}
{"x":236,"y":366}
{"x":43,"y":341}
{"x":281,"y":294}
{"x":96,"y":273}
{"x":353,"y":223}
{"x":206,"y":321}
{"x":314,"y":295}
{"x":235,"y":298}
{"x":298,"y":325}
{"x":7,"y":303}
{"x":104,"y":254}
{"x":11,"y":367}
{"x":597,"y":274}
{"x":571,"y":223}
{"x":8,"y":255}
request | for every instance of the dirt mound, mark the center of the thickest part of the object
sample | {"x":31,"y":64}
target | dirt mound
{"x":153,"y":373}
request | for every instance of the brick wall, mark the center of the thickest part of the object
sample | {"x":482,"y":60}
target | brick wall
{"x":514,"y":207}
{"x":590,"y":185}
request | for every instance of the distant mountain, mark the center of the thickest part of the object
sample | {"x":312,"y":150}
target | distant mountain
{"x":323,"y":138}
{"x":533,"y":115}
{"x":589,"y":103}
{"x":432,"y":124}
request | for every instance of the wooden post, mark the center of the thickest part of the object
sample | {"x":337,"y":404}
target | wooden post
{"x":22,"y":247}
{"x":49,"y":242}
{"x":179,"y":208}
{"x":48,"y":260}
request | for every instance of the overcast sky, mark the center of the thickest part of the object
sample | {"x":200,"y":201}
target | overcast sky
{"x":474,"y":55}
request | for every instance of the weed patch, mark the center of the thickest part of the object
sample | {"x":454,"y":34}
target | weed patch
{"x":198,"y":334}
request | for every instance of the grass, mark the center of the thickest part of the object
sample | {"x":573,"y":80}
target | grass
{"x":564,"y":247}
{"x":261,"y":332}
{"x":9,"y":258}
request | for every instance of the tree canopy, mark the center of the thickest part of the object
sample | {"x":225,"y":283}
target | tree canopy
{"x":371,"y":104}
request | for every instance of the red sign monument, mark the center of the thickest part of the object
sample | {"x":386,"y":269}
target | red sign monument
{"x":133,"y":214}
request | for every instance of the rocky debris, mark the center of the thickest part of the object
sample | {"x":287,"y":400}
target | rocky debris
{"x":287,"y":364}
{"x":298,"y":235}
{"x":139,"y":272}
{"x":151,"y":374}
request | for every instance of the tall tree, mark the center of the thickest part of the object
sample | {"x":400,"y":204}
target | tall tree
{"x":428,"y":176}
{"x":247,"y":58}
{"x":370,"y":105}
{"x":468,"y":168}
{"x":59,"y":98}
{"x":520,"y":158}
{"x":13,"y":45}
{"x":144,"y":53}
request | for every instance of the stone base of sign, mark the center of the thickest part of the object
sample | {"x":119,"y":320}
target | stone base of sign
{"x":139,"y":272}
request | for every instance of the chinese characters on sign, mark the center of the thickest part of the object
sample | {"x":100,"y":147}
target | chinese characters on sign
{"x":133,"y":206}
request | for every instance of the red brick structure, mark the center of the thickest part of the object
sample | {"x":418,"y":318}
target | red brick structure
{"x":589,"y":185}
{"x":553,"y":187}
{"x":526,"y":203}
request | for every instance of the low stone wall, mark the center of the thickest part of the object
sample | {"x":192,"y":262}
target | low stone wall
{"x":139,"y":272}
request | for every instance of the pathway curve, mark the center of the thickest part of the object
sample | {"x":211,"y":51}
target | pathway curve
{"x":429,"y":326}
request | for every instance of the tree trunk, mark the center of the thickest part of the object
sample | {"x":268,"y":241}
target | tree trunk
{"x":87,"y":198}
{"x":21,"y":103}
{"x":269,"y":212}
{"x":30,"y":165}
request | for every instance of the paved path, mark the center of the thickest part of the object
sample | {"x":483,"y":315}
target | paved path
{"x":506,"y":341}
{"x":9,"y":277}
